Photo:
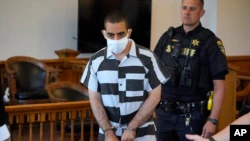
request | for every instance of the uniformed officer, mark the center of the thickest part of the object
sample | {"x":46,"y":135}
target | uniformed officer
{"x":196,"y":59}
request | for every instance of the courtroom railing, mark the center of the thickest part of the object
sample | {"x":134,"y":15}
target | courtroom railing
{"x":50,"y":114}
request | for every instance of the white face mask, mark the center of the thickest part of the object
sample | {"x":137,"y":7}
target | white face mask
{"x":117,"y":46}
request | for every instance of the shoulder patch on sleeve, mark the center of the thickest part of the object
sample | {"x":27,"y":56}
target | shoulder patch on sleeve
{"x":221,"y":46}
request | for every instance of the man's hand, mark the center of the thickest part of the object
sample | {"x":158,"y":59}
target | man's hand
{"x":208,"y":129}
{"x":110,"y":136}
{"x":128,"y":135}
{"x":195,"y":138}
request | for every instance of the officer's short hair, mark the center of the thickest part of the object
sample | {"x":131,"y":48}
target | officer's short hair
{"x":116,"y":17}
{"x":201,"y":2}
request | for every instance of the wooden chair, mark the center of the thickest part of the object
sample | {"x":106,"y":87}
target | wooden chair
{"x":28,"y":79}
{"x":62,"y":91}
{"x":243,"y":83}
{"x":243,"y":94}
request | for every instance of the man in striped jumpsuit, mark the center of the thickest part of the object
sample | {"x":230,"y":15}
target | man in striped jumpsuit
{"x":124,"y":84}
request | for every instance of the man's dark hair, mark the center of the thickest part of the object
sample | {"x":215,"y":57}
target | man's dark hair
{"x":116,"y":17}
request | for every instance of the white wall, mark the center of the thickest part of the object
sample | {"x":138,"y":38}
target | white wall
{"x":39,"y":27}
{"x":234,"y":26}
{"x":165,"y":13}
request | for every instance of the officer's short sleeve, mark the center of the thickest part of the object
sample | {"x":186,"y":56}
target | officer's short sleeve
{"x":160,"y":44}
{"x":216,"y":57}
{"x":89,"y":78}
{"x":157,"y":73}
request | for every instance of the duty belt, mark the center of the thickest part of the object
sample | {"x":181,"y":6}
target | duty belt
{"x":183,"y":108}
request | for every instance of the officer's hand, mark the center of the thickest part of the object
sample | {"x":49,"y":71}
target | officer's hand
{"x":110,"y":136}
{"x":128,"y":135}
{"x":208,"y":129}
{"x":195,"y":138}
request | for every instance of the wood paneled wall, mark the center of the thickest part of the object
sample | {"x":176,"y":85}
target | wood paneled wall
{"x":240,"y":63}
{"x":228,"y":110}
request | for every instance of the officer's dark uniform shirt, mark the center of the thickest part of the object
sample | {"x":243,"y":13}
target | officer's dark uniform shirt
{"x":213,"y":58}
